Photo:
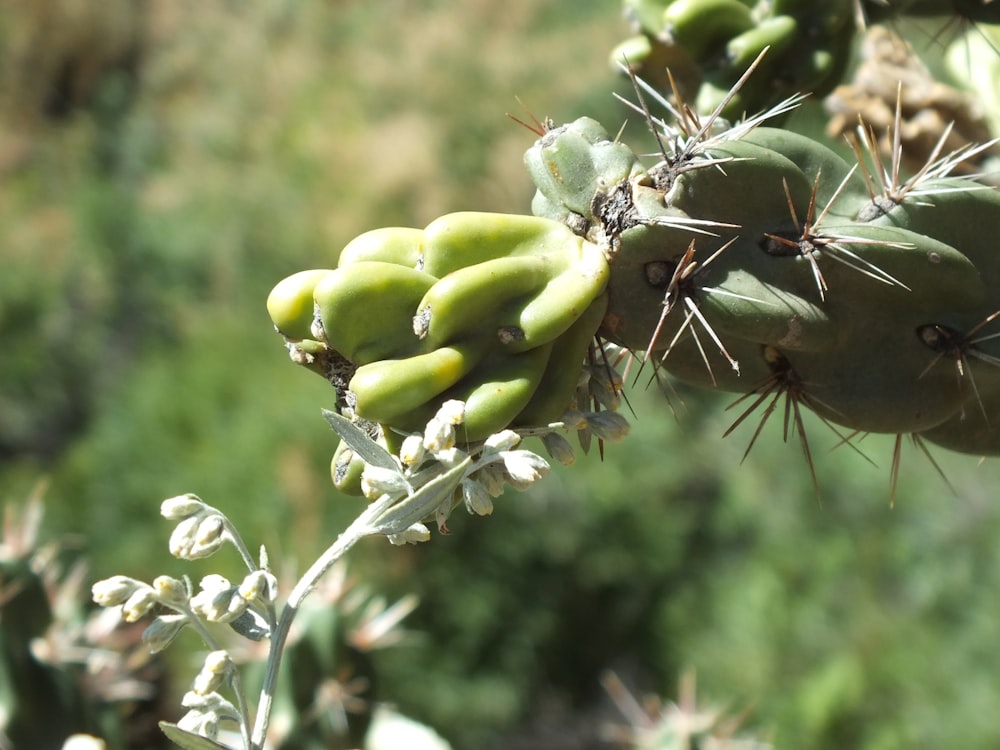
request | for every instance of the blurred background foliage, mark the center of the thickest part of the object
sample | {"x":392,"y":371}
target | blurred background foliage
{"x":165,"y":162}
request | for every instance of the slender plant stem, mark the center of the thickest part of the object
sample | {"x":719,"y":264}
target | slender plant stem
{"x":361,"y":527}
{"x":242,"y":705}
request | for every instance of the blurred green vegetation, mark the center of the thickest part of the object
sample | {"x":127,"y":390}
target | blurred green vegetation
{"x":149,"y":206}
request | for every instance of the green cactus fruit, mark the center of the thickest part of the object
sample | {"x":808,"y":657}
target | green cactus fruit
{"x":558,"y":384}
{"x":402,"y":246}
{"x":346,"y":469}
{"x":388,"y":389}
{"x":561,"y":302}
{"x":702,"y":27}
{"x":290,"y":303}
{"x":366,"y":309}
{"x":776,"y":33}
{"x":474,"y":298}
{"x":464,"y":239}
{"x":498,"y":390}
{"x":646,"y":14}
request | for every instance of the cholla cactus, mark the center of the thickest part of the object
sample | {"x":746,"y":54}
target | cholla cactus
{"x":653,"y":724}
{"x":748,"y":258}
{"x":65,"y":674}
{"x":707,"y":44}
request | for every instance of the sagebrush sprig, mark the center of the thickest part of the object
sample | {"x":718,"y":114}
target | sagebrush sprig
{"x":428,"y":479}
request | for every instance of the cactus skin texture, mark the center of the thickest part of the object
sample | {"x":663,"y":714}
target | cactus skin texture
{"x":496,"y":310}
{"x":872,"y":310}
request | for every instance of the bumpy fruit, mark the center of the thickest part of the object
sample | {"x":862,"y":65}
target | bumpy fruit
{"x":290,"y":303}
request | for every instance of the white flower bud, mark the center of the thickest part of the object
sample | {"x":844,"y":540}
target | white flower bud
{"x":377,"y":481}
{"x":451,"y":412}
{"x":171,"y":592}
{"x":209,"y":531}
{"x":559,"y":448}
{"x":139,"y":604}
{"x":114,"y":591}
{"x":216,"y":668}
{"x":226,"y":607}
{"x":181,"y":507}
{"x":413,"y":535}
{"x":209,"y":702}
{"x":213,"y":583}
{"x":214,"y":589}
{"x":439,"y":435}
{"x":524,"y":467}
{"x":411,"y":452}
{"x":218,"y":600}
{"x":501,"y":441}
{"x":198,"y":536}
{"x":183,"y":536}
{"x":259,"y":586}
{"x":450,"y":457}
{"x":476,"y":498}
{"x":161,"y":632}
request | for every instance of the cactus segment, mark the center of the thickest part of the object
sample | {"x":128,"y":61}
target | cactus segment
{"x":389,"y":388}
{"x":573,"y":164}
{"x":402,"y":246}
{"x":749,"y":259}
{"x":366,"y":309}
{"x":562,"y":301}
{"x":708,"y":44}
{"x":346,"y":469}
{"x":290,"y":303}
{"x":555,"y":391}
{"x":460,"y":240}
{"x":814,"y":279}
{"x":497,"y":392}
{"x":702,"y":27}
{"x":475,"y":297}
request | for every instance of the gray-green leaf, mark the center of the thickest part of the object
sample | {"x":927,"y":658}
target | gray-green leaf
{"x":357,"y":439}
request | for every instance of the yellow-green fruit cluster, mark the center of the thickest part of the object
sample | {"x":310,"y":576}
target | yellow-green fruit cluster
{"x":759,"y":261}
{"x":495,"y":310}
